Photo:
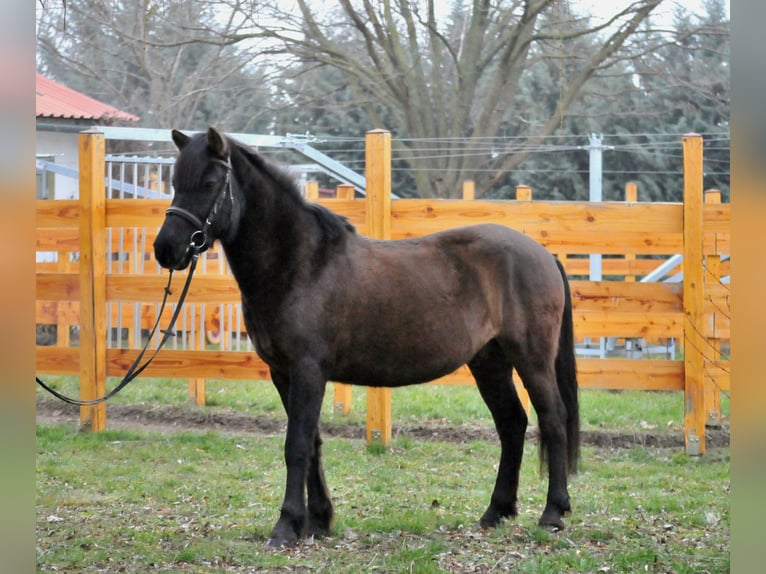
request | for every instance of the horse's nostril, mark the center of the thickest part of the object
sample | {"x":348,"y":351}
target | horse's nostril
{"x":163,"y":253}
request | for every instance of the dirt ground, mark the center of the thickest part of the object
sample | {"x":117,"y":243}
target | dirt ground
{"x":164,"y":418}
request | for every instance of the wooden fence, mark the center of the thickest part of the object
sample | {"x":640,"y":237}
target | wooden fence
{"x":77,"y":289}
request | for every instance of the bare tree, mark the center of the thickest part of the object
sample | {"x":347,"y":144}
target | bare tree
{"x":444,"y":78}
{"x":173,"y":63}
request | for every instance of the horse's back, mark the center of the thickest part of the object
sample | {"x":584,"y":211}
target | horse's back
{"x":416,"y":309}
{"x":506,"y":254}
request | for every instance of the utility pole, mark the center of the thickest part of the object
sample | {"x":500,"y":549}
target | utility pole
{"x":595,"y":194}
{"x":596,"y":182}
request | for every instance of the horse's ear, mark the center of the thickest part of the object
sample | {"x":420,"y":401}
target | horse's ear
{"x":217,"y":143}
{"x":180,"y":139}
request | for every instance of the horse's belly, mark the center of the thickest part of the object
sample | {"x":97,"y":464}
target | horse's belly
{"x":393,"y":375}
{"x":395,"y":366}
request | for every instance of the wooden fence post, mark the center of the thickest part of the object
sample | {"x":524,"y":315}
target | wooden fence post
{"x":63,"y":339}
{"x":631,"y":196}
{"x":312,"y":190}
{"x":196,"y":392}
{"x":523,"y":193}
{"x":713,"y":346}
{"x":342,"y":394}
{"x":694,"y":293}
{"x":378,"y":216}
{"x":92,"y":200}
{"x":469,"y":189}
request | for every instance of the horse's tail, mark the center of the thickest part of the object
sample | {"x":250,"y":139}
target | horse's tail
{"x":566,"y":376}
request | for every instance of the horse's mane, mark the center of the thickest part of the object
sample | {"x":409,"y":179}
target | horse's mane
{"x":332,"y":225}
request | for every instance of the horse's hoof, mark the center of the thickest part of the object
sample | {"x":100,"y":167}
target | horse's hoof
{"x":490,"y":520}
{"x":551,"y":524}
{"x":279,"y":542}
{"x":493,"y":517}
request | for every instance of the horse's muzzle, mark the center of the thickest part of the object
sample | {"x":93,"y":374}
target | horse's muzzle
{"x":171,"y":253}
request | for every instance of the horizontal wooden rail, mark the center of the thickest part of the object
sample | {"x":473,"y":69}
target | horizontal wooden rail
{"x":655,"y":375}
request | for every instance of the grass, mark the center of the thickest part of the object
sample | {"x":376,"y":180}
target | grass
{"x":137,"y":501}
{"x":627,"y":411}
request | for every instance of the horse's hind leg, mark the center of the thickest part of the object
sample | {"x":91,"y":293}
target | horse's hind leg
{"x":540,"y":382}
{"x":492,"y":372}
{"x":320,"y":511}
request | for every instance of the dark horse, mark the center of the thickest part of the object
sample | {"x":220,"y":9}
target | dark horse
{"x":324,"y":303}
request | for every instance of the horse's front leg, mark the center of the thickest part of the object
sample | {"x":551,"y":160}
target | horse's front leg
{"x":304,"y":402}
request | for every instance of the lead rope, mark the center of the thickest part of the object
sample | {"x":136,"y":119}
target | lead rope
{"x":197,"y":244}
{"x":136,"y":369}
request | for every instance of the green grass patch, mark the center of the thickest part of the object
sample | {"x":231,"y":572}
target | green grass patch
{"x":204,"y":502}
{"x":456,"y":406}
{"x":137,"y":501}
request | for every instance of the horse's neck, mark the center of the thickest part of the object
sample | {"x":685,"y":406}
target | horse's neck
{"x":262,"y":255}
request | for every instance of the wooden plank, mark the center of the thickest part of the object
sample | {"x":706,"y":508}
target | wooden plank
{"x":716,"y":305}
{"x":718,"y":375}
{"x":712,"y":274}
{"x":584,"y":242}
{"x":57,"y":286}
{"x":57,"y":213}
{"x":640,"y":325}
{"x":634,"y":325}
{"x":523,"y":193}
{"x":630,"y":374}
{"x":145,"y":288}
{"x":342,"y":394}
{"x":419,"y":216}
{"x":609,"y":243}
{"x":92,"y":270}
{"x":469,"y":190}
{"x":57,"y":360}
{"x":716,"y":243}
{"x":311,"y":189}
{"x":57,"y":239}
{"x":626,"y":297}
{"x":378,"y":200}
{"x":136,"y":212}
{"x":716,"y":218}
{"x":627,"y":374}
{"x":238,"y":365}
{"x":197,"y":391}
{"x":694,"y":293}
{"x":613,"y":267}
{"x":345,"y":191}
{"x":54,"y":312}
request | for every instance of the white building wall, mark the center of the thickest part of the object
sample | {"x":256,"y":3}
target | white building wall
{"x":62,"y":147}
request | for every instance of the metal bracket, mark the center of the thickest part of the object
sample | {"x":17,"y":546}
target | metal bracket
{"x":693,"y":445}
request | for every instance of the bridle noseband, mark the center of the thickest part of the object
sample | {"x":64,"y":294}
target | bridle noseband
{"x":198,"y":242}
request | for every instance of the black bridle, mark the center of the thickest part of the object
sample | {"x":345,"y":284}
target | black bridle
{"x":198,"y":242}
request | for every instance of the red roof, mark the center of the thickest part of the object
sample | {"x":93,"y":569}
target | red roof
{"x":54,"y":100}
